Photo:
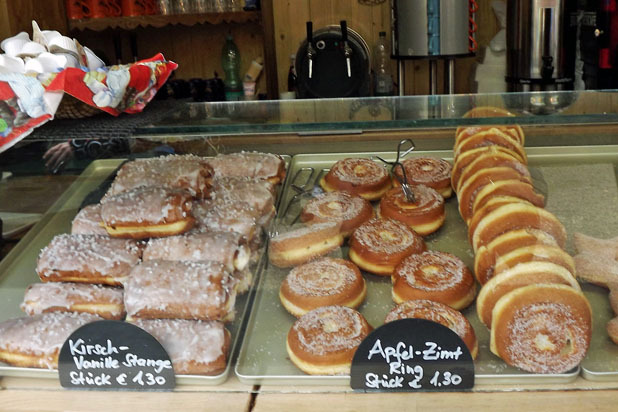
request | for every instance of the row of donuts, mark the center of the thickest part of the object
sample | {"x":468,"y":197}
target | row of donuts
{"x":323,"y":292}
{"x":177,"y":281}
{"x":539,"y":319}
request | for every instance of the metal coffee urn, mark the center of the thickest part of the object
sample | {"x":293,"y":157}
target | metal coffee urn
{"x":540,"y":38}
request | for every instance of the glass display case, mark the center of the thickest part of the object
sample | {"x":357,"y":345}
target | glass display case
{"x":571,"y":154}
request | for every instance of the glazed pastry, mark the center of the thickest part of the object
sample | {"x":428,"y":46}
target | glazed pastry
{"x":464,"y":160}
{"x":88,"y":259}
{"x":342,"y":207}
{"x":425,"y":215}
{"x":524,"y":274}
{"x":433,"y":275}
{"x":378,"y":245}
{"x":490,"y":137}
{"x":511,"y":187}
{"x":147,"y":212}
{"x":194,"y":347}
{"x":163,"y":289}
{"x":226,"y":216}
{"x":362,"y":177}
{"x":104,"y":301}
{"x":300,"y":245}
{"x":589,"y":244}
{"x":35,"y":341}
{"x":472,"y":187}
{"x":535,"y":253}
{"x":259,"y":194}
{"x":428,"y":171}
{"x":254,"y":165}
{"x":485,"y":257}
{"x":88,"y":222}
{"x":187,"y":172}
{"x":439,"y":313}
{"x":542,"y":328}
{"x":323,"y":282}
{"x":600,"y":270}
{"x":323,"y":341}
{"x":517,"y":216}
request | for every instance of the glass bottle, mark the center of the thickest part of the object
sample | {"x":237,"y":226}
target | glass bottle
{"x":230,"y":61}
{"x":383,"y":82}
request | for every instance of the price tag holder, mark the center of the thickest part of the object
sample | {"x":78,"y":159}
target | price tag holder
{"x":114,"y":355}
{"x":411,"y":355}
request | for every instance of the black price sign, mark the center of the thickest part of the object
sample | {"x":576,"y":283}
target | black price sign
{"x":412,"y":355}
{"x":114,"y":355}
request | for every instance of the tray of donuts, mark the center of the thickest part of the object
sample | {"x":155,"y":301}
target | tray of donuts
{"x":387,"y":256}
{"x":172,"y":244}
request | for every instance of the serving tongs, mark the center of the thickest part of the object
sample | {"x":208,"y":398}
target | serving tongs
{"x":405,"y":187}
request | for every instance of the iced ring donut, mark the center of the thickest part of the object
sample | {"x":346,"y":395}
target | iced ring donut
{"x":542,"y":328}
{"x":323,"y":341}
{"x":428,"y":171}
{"x":349,"y":210}
{"x":522,"y":275}
{"x":425,"y":215}
{"x":434,"y":275}
{"x":378,"y":245}
{"x":362,"y":177}
{"x":323,"y":282}
{"x":439,"y":313}
{"x":300,"y":245}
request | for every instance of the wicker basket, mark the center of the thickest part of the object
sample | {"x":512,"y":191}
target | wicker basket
{"x":73,"y":108}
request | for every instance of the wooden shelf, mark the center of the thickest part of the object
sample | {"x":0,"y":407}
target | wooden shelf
{"x":132,"y":22}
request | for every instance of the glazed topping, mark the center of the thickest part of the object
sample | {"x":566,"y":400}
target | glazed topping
{"x":187,"y":340}
{"x":432,"y":270}
{"x":330,"y":329}
{"x":425,"y":170}
{"x":433,"y":311}
{"x":387,"y":236}
{"x":146,"y":205}
{"x":41,"y":335}
{"x":247,"y":164}
{"x":546,"y":337}
{"x":41,"y":296}
{"x":87,"y":254}
{"x":323,"y":277}
{"x":188,"y":172}
{"x":225,"y":215}
{"x":305,"y":230}
{"x":156,"y":283}
{"x":223,"y":247}
{"x":335,"y":206}
{"x":259,"y":194}
{"x":358,"y":171}
{"x":88,"y":221}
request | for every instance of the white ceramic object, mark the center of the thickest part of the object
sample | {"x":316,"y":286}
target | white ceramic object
{"x":51,"y":63}
{"x":71,"y":61}
{"x":34,"y":66}
{"x":51,"y":35}
{"x":11,"y":64}
{"x":31,"y":49}
{"x":63,"y":44}
{"x":13,"y":47}
{"x":20,"y":36}
{"x":94,"y":62}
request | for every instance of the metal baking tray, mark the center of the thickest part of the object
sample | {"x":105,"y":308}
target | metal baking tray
{"x":263,"y":358}
{"x":17,"y":269}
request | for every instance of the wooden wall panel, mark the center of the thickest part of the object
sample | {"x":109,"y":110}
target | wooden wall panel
{"x":49,"y":14}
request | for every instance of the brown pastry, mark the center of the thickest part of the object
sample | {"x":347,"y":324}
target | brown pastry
{"x":88,"y":259}
{"x":434,"y":275}
{"x":524,"y":274}
{"x":342,"y":207}
{"x":427,"y":171}
{"x":35,"y":341}
{"x":510,"y":187}
{"x":542,"y":328}
{"x":378,"y":245}
{"x":362,"y":177}
{"x":600,"y":270}
{"x":104,"y":301}
{"x":323,"y":341}
{"x":535,"y":253}
{"x":612,"y":330}
{"x":300,"y":245}
{"x":489,"y":137}
{"x":439,"y":313}
{"x":194,"y":347}
{"x":425,"y":215}
{"x":603,"y":247}
{"x":491,"y":205}
{"x":147,"y":212}
{"x":323,"y":282}
{"x":163,"y":289}
{"x":515,"y":131}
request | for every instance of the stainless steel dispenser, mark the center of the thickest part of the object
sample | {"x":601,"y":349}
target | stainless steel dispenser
{"x":540,"y":45}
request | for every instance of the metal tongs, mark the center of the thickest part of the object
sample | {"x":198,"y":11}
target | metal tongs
{"x":405,"y":187}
